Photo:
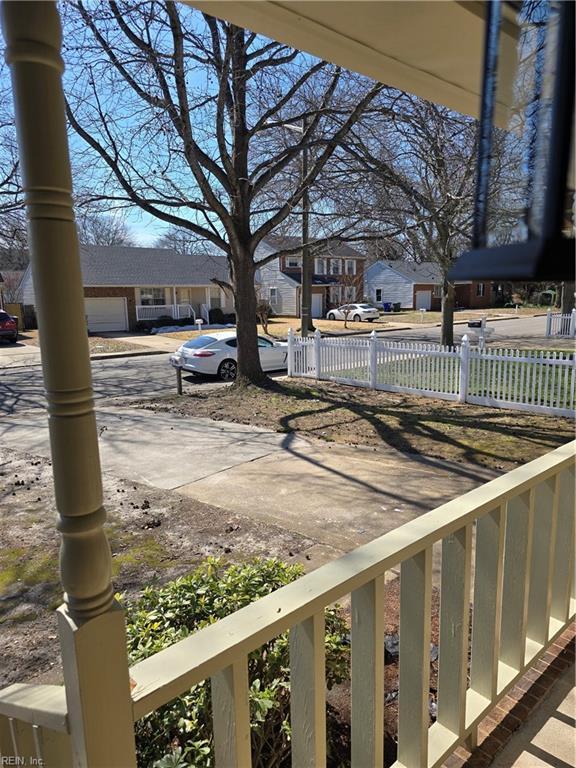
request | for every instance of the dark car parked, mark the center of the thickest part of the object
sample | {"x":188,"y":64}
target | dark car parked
{"x":8,"y":327}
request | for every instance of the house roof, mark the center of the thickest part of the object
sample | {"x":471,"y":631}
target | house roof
{"x":124,"y":266}
{"x":333,"y":248}
{"x":425,"y":272}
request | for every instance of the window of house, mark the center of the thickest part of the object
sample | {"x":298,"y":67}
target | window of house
{"x":273,"y":295}
{"x":350,"y":267}
{"x":292,"y":262}
{"x":378,"y":294}
{"x":349,"y":293}
{"x":335,"y":294}
{"x":320,"y":266}
{"x":335,"y":267}
{"x":152,"y":297}
{"x":437,"y":293}
{"x":215,"y":298}
{"x":479,"y":289}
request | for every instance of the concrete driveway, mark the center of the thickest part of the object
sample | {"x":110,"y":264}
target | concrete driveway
{"x":340,"y":497}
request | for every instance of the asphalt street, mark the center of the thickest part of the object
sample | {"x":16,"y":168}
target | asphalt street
{"x":515,"y":331}
{"x":22,"y":389}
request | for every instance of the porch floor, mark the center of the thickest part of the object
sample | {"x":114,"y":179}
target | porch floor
{"x":548,"y":737}
{"x":534,"y":725}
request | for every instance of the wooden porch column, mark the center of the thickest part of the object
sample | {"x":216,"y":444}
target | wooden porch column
{"x":92,"y":629}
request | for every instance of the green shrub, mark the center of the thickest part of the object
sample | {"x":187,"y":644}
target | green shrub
{"x":180,"y":733}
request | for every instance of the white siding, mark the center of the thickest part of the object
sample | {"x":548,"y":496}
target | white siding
{"x":270,"y":276}
{"x":28,"y":288}
{"x":395,"y":287}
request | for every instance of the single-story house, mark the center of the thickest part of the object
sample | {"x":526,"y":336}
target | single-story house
{"x":123,"y":285}
{"x":419,"y":286}
{"x":338,"y":276}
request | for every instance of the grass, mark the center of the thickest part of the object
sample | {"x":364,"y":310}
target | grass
{"x":458,"y":432}
{"x":97,"y":344}
{"x":536,"y":383}
{"x":409,"y":316}
{"x":278,"y":326}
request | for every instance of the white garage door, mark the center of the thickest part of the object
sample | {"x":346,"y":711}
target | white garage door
{"x":423,"y":299}
{"x":106,"y":314}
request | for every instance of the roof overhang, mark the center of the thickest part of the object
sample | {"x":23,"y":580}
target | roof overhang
{"x":431,"y":49}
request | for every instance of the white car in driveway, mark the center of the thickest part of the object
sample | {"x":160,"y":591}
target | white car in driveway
{"x":215,"y":354}
{"x":355,"y":312}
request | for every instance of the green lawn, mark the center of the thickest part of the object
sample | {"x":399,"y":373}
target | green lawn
{"x":507,"y":379}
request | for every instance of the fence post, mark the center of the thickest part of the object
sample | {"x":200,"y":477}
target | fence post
{"x":464,"y":369}
{"x":573,"y":323}
{"x":373,"y":360}
{"x":290,"y":352}
{"x":548,"y":322}
{"x":317,"y":340}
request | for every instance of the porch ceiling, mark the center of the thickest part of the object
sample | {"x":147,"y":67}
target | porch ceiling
{"x":431,"y":49}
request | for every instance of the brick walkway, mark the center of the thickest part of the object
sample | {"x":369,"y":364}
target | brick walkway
{"x":518,"y":705}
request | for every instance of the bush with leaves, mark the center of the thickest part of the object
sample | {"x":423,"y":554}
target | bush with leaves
{"x":180,"y":733}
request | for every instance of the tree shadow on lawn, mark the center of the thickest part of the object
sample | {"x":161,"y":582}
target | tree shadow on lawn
{"x":431,"y":429}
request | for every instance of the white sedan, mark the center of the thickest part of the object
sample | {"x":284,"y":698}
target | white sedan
{"x":215,"y":354}
{"x":354,"y":312}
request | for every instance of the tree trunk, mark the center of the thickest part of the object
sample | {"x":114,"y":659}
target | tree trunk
{"x":447,"y":314}
{"x":249,"y":367}
{"x":567,"y":304}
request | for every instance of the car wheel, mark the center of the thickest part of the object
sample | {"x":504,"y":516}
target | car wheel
{"x":14,"y":339}
{"x":370,"y":319}
{"x":357,"y":319}
{"x":227,"y":370}
{"x":331,"y":316}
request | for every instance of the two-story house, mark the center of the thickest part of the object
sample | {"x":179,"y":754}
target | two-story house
{"x":338,"y":276}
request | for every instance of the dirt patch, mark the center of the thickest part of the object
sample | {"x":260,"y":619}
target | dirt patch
{"x":155,"y":536}
{"x":490,"y":437}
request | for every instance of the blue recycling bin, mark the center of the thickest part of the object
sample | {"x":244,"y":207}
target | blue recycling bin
{"x":387,"y":306}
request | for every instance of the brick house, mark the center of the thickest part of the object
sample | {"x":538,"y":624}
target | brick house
{"x":338,"y":276}
{"x":124,"y":284}
{"x":419,"y":286}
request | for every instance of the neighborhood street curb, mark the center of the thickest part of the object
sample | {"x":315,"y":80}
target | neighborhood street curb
{"x":114,"y":355}
{"x":100,"y":356}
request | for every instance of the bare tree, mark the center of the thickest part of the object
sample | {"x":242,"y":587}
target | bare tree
{"x":13,"y":238}
{"x":102,"y":229}
{"x":11,"y":287}
{"x":417,"y":174}
{"x":185,"y":111}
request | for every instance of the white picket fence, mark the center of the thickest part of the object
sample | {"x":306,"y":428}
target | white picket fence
{"x":561,"y":325}
{"x":542,"y":382}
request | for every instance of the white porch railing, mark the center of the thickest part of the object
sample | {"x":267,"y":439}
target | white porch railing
{"x":536,"y":381}
{"x":154,"y":311}
{"x":511,"y":539}
{"x":561,"y":325}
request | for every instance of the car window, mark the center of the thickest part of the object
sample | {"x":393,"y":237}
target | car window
{"x":264,"y":342}
{"x":5,"y":316}
{"x":366,"y":306}
{"x":200,"y":341}
{"x":232,"y":343}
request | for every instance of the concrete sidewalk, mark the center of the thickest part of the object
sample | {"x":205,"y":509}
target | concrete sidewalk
{"x":340,"y":497}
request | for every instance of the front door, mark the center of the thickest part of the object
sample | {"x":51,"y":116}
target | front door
{"x":317,"y":305}
{"x":423,"y":299}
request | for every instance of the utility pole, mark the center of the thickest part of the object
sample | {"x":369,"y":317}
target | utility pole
{"x":307,"y":263}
